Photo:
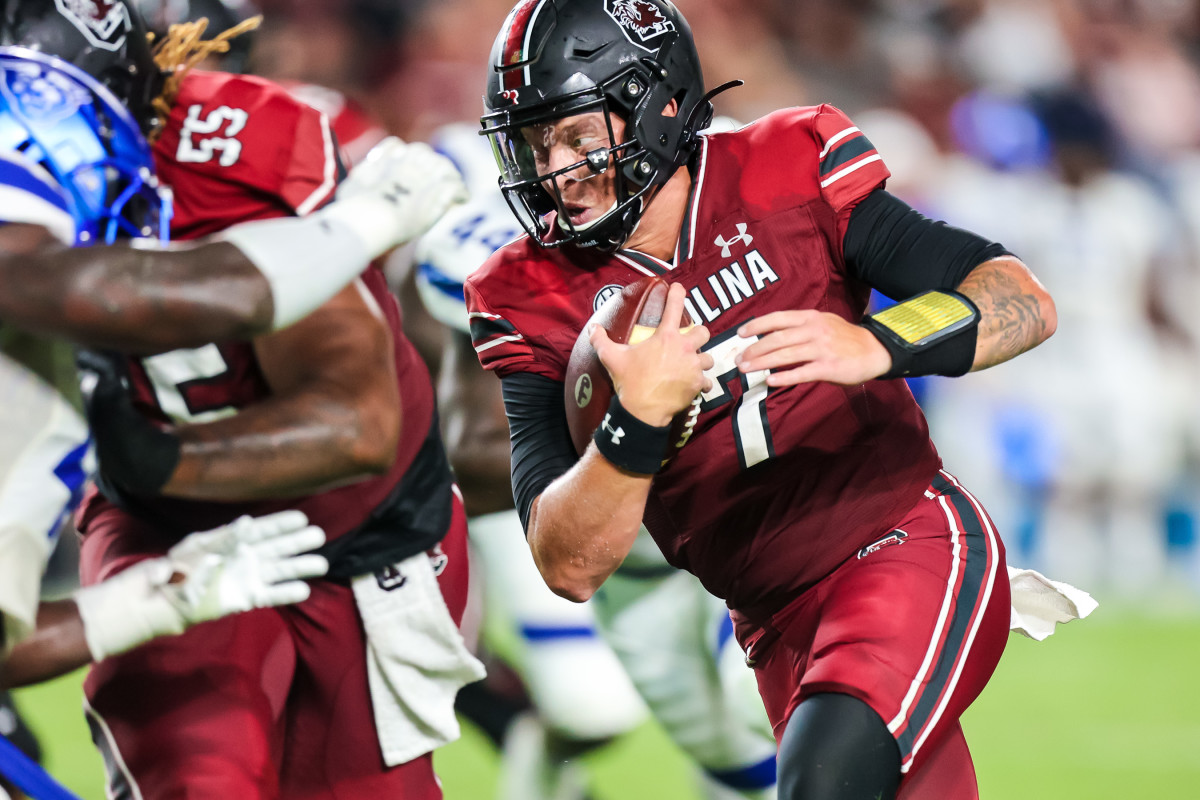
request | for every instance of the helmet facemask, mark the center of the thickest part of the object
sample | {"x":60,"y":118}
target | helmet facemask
{"x":535,"y":196}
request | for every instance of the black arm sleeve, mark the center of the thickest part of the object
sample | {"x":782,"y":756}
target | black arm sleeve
{"x":541,"y":443}
{"x":893,"y":248}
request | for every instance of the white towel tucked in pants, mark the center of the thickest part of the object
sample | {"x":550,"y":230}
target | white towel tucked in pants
{"x":416,"y":659}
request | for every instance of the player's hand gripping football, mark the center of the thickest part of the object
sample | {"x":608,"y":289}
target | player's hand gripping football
{"x":411,"y":184}
{"x":253,"y":562}
{"x":661,"y":376}
{"x":809,"y":345}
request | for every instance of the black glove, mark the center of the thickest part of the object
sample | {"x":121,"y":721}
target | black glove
{"x":134,"y":452}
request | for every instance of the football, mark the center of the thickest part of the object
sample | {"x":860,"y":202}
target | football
{"x":630,"y":316}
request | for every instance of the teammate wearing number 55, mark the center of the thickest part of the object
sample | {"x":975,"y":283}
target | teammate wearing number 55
{"x":76,"y":170}
{"x":331,"y":416}
{"x":867,"y":585}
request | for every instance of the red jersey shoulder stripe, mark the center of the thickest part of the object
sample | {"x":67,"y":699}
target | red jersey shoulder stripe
{"x":499,"y":345}
{"x":491,"y":330}
{"x":848,"y":166}
{"x":844,"y":153}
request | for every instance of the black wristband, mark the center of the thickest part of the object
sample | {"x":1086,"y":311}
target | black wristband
{"x":931,"y":334}
{"x":630,"y":444}
{"x":133,"y":452}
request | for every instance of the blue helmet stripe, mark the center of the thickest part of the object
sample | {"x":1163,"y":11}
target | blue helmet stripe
{"x":20,"y":177}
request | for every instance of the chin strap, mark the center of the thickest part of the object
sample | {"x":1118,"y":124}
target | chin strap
{"x":690,"y":126}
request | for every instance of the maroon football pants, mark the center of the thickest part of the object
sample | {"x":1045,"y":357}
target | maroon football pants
{"x":914,"y":626}
{"x":268,"y":704}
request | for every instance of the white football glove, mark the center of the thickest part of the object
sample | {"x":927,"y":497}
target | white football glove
{"x":396,"y":194}
{"x":247,"y":564}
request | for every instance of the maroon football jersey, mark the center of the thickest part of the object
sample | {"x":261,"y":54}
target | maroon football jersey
{"x":777,"y":486}
{"x":353,"y":127}
{"x":238,"y":148}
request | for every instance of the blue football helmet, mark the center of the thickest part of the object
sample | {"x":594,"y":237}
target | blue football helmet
{"x":61,"y":118}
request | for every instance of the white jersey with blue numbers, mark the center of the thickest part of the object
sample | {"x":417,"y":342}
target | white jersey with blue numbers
{"x":29,"y":195}
{"x":468,"y":234}
{"x":44,"y":455}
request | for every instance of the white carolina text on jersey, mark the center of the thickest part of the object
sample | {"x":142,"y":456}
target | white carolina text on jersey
{"x":729,"y":286}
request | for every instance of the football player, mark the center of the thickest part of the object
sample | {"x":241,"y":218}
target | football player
{"x":76,"y":169}
{"x":672,"y":638}
{"x":867,"y":585}
{"x":332,"y":416}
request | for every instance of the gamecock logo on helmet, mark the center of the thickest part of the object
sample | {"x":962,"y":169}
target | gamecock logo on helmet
{"x":103,"y":22}
{"x":642,"y":21}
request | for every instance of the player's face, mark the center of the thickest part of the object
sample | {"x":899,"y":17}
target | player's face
{"x":586,"y":193}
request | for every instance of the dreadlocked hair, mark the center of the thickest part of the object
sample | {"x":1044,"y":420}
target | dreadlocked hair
{"x":181,"y":50}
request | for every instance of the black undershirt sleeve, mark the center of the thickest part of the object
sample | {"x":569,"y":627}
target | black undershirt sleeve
{"x":894,"y":249}
{"x":541,"y":444}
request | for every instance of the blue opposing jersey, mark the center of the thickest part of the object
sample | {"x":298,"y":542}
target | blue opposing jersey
{"x":28,"y":194}
{"x":464,"y":238}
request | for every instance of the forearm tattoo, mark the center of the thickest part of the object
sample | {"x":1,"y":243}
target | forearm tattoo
{"x":1012,"y":317}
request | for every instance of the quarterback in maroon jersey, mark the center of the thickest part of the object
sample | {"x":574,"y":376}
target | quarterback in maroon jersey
{"x":867,"y":585}
{"x":333,"y":415}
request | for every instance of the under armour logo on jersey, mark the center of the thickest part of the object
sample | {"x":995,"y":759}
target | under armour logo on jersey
{"x":742,"y":237}
{"x":617,"y":434}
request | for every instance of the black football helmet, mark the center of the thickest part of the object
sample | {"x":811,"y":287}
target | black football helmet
{"x":558,"y":58}
{"x":104,"y":38}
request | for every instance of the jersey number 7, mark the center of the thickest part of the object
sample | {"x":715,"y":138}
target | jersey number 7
{"x":751,"y":428}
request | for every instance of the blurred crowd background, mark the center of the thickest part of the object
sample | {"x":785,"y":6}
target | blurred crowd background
{"x":1069,"y":130}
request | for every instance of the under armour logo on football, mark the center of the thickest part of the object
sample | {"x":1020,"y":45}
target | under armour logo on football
{"x":742,"y":237}
{"x":617,"y":434}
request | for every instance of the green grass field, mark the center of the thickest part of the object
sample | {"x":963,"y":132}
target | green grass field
{"x":1106,"y":708}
